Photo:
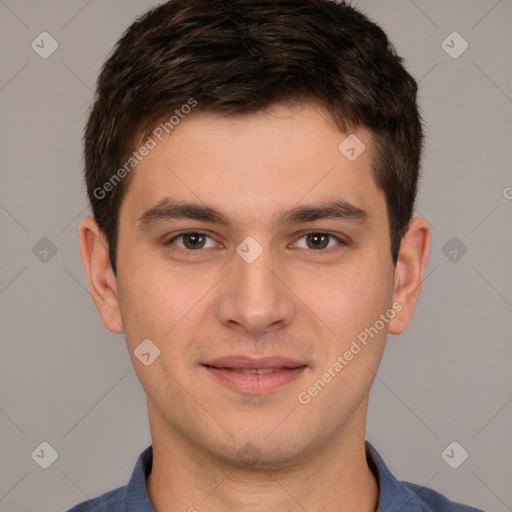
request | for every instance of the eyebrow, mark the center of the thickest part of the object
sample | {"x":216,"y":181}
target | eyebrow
{"x":169,"y":209}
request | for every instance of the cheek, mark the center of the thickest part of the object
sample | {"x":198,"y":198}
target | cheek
{"x":166,"y":305}
{"x":347,"y":299}
{"x":150,"y":302}
{"x":161,"y":311}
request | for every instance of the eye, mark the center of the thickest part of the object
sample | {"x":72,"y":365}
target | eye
{"x":318,"y":240}
{"x":196,"y":240}
{"x":191,"y":240}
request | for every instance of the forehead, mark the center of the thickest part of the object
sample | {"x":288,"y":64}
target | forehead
{"x":257,"y":164}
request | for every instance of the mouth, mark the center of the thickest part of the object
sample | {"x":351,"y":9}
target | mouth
{"x":251,"y":371}
{"x":255,"y":376}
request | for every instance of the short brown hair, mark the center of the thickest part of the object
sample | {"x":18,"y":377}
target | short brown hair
{"x":239,"y":57}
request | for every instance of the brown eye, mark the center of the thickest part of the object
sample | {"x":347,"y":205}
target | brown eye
{"x":317,"y":240}
{"x":191,"y":240}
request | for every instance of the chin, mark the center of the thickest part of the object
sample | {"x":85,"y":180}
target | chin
{"x":265,"y":452}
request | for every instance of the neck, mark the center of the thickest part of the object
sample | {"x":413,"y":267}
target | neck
{"x":335,"y":477}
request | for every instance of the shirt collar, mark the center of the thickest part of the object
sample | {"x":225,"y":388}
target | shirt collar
{"x":388,"y":484}
{"x":136,"y":498}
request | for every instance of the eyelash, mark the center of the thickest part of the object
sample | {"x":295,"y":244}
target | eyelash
{"x":168,"y":243}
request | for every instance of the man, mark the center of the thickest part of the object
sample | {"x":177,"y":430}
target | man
{"x":252,"y":168}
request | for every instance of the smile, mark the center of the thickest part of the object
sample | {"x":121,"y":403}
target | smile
{"x":255,"y":381}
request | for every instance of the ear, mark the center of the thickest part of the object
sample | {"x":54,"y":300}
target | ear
{"x":102,"y":281}
{"x":409,"y":272}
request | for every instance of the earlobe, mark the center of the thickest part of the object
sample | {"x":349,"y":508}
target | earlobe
{"x":410,"y":272}
{"x":102,"y":282}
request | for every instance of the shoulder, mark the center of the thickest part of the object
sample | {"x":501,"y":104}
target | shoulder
{"x":400,"y":496}
{"x":430,"y":500}
{"x":132,"y":496}
{"x":113,"y":501}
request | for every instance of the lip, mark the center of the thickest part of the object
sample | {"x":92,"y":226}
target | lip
{"x":225,"y":369}
{"x":249,"y":363}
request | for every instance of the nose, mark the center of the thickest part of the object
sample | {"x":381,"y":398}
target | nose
{"x":256,"y":298}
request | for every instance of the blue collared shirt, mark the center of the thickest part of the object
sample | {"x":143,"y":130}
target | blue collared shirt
{"x":394,"y":495}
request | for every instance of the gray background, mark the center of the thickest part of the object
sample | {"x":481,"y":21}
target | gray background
{"x":67,"y":381}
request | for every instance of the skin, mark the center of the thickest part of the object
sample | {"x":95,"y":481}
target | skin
{"x":294,"y":300}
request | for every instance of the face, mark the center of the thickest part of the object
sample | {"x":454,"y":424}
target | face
{"x":285,"y":257}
